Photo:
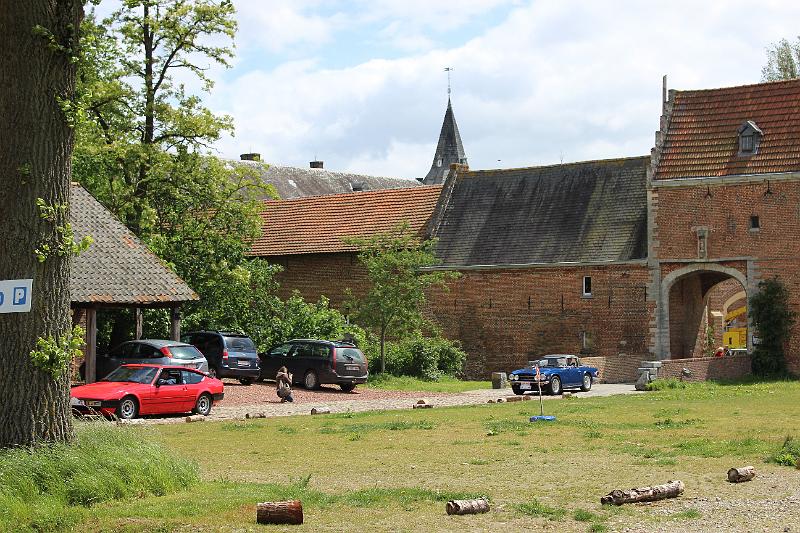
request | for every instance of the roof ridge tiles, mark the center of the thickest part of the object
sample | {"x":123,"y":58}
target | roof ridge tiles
{"x":765,"y":84}
{"x":554,"y":165}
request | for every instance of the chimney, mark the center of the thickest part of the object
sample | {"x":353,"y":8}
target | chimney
{"x":250,"y":157}
{"x":316,"y":164}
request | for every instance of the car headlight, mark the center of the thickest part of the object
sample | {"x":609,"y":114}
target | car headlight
{"x":513,"y":377}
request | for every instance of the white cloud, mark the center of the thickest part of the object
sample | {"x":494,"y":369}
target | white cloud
{"x":572,"y":79}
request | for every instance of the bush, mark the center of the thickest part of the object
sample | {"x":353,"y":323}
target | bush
{"x":773,"y":320}
{"x":428,"y":358}
{"x":45,"y":488}
{"x":789,"y":453}
{"x":666,"y":384}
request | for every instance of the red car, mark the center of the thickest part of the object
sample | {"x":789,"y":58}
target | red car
{"x":133,"y":390}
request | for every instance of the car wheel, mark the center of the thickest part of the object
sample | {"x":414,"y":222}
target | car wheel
{"x":517,"y":390}
{"x":347,"y":387}
{"x":555,"y":385}
{"x":128,"y":408}
{"x":246,"y":381}
{"x":212,"y":372}
{"x":310,"y":380}
{"x":203,"y":405}
{"x":586,"y":386}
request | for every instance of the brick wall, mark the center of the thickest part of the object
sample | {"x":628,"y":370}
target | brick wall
{"x":703,"y":368}
{"x":315,"y":275}
{"x":616,"y":368}
{"x":772,"y":249}
{"x":505,"y":317}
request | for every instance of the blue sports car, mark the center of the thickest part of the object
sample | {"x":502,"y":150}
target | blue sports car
{"x":556,"y":373}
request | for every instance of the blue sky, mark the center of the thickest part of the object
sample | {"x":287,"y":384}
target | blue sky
{"x":360,"y":84}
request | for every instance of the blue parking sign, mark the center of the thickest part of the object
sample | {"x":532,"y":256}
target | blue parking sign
{"x":15,"y":295}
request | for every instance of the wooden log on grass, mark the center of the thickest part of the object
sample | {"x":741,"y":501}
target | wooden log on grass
{"x":744,"y":473}
{"x":287,"y":512}
{"x":671,"y":489}
{"x":481,"y":505}
{"x":320,"y":410}
{"x":195,"y":418}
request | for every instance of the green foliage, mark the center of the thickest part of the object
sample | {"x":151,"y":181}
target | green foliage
{"x":666,"y":384}
{"x":537,"y":508}
{"x":62,"y":242}
{"x":47,"y":488}
{"x":783,"y":61}
{"x":427,"y":358}
{"x":788,"y":454}
{"x":773,"y":320}
{"x":393,"y":305}
{"x":53,"y":355}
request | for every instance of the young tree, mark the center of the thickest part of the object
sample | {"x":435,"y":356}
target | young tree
{"x":773,"y":319}
{"x":783,"y":61}
{"x":396,"y":294}
{"x":38,"y":50}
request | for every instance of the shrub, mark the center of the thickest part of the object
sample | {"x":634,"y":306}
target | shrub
{"x":427,"y":358}
{"x":788,"y":454}
{"x":666,"y":384}
{"x":773,"y":319}
{"x":44,"y":488}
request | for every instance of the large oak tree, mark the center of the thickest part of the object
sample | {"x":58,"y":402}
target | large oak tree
{"x":38,"y":52}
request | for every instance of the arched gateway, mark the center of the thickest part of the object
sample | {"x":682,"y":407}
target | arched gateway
{"x":691,"y":307}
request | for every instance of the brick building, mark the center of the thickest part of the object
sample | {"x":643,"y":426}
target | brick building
{"x":621,"y":260}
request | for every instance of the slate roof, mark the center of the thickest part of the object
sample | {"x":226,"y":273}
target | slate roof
{"x":449,"y":149}
{"x":117,"y":268}
{"x":294,"y":182}
{"x":593,"y":211}
{"x":317,"y":224}
{"x":702,"y":141}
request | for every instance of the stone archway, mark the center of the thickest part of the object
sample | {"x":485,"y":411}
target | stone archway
{"x":682,"y":306}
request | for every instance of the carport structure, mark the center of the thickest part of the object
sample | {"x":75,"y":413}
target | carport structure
{"x":117,"y":271}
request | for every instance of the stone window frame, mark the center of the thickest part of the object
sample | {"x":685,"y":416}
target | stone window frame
{"x":584,"y":285}
{"x":754,"y":224}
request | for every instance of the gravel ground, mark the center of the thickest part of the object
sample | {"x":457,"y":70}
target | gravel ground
{"x":260,"y":398}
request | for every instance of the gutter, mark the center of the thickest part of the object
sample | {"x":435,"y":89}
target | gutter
{"x":511,"y":266}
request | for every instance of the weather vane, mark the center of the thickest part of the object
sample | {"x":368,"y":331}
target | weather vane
{"x":448,"y":70}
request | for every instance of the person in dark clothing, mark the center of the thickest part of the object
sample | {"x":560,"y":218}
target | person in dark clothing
{"x":283,"y":384}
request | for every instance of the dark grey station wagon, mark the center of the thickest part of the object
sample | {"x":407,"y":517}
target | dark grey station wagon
{"x":317,"y":362}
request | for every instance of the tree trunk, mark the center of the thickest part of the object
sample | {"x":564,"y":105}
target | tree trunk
{"x":288,"y":512}
{"x":672,"y":489}
{"x":383,"y":345}
{"x":481,"y":505}
{"x":37,"y":41}
{"x":744,"y":473}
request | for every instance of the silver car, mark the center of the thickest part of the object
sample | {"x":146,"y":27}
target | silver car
{"x":152,"y":351}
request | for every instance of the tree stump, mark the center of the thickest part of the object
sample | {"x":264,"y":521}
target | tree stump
{"x":672,"y":489}
{"x":481,"y":505}
{"x":744,"y":473}
{"x":288,"y":512}
{"x":320,"y":410}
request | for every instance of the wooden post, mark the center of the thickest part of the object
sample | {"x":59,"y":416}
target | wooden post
{"x":139,"y":322}
{"x":175,"y":327}
{"x":90,"y":368}
{"x":671,"y":489}
{"x":288,"y":512}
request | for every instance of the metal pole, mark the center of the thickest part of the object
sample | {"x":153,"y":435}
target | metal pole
{"x":539,"y":382}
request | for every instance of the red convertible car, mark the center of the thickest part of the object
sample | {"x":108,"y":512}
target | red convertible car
{"x":133,"y":390}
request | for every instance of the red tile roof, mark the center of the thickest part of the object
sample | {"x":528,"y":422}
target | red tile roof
{"x":317,"y":224}
{"x":702,"y":140}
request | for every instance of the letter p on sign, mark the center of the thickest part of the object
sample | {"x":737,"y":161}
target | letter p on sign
{"x":15,"y":295}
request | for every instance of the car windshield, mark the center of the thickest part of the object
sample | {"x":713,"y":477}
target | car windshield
{"x":552,"y":362}
{"x":184,"y":352}
{"x":132,"y":374}
{"x":240,"y":344}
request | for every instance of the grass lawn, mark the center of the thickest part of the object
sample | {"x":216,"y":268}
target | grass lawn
{"x":393,"y":471}
{"x":406,"y":383}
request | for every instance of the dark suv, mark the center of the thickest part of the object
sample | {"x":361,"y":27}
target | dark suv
{"x":314,"y":363}
{"x":229,"y":354}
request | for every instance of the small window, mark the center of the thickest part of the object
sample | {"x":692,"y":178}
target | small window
{"x":438,"y":162}
{"x":587,"y":343}
{"x":746,"y":144}
{"x":755,"y":222}
{"x":587,"y":286}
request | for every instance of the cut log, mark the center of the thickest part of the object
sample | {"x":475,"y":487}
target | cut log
{"x":255,"y":415}
{"x":672,"y":489}
{"x":288,"y":512}
{"x":745,"y":473}
{"x":481,"y":505}
{"x":514,"y":398}
{"x":195,"y":418}
{"x":320,"y":410}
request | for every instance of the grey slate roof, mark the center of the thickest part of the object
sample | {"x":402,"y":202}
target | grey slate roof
{"x":293,"y":182}
{"x":117,"y":268}
{"x":449,"y":149}
{"x":593,"y":211}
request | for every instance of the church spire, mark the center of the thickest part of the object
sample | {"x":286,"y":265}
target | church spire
{"x":449,"y":150}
